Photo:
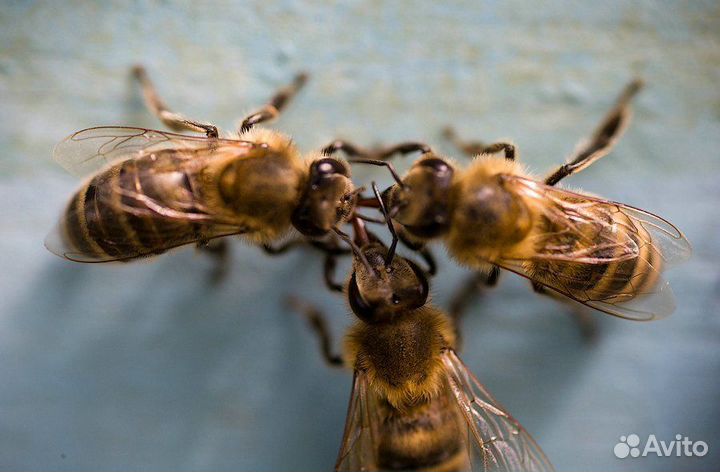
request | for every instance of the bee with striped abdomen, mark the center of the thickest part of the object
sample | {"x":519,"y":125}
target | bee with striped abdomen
{"x":414,"y":404}
{"x":150,"y":191}
{"x":601,"y":253}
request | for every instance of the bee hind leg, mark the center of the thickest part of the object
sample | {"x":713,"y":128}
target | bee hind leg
{"x":603,"y":138}
{"x":583,"y":318}
{"x":473,"y":148}
{"x":276,"y":105}
{"x":218,"y":249}
{"x":318,"y":323}
{"x":157,"y":107}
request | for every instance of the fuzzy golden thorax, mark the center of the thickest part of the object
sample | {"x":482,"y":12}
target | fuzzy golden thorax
{"x":402,"y":357}
{"x":261,"y":188}
{"x":487,"y":217}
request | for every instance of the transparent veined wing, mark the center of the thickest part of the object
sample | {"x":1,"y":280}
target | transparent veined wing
{"x":359,"y":448}
{"x":604,"y":254}
{"x":497,"y":441}
{"x":87,"y":151}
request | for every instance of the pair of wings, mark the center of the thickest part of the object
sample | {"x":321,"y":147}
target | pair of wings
{"x":495,"y":441}
{"x":89,"y":151}
{"x":620,"y":232}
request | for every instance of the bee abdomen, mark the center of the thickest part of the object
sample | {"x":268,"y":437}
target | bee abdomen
{"x":426,"y":437}
{"x":105,"y":220}
{"x":613,"y":281}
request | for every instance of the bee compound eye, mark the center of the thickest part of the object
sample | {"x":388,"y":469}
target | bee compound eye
{"x":436,"y":164}
{"x":328,"y":166}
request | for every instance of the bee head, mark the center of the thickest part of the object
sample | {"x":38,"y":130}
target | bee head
{"x":379,"y":290}
{"x":422,"y":203}
{"x":382,"y":285}
{"x":328,"y":198}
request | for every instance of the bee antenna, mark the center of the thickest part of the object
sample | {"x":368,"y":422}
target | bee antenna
{"x":355,"y":249}
{"x":391,"y":227}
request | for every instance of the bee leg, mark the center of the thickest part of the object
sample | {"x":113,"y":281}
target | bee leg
{"x":586,"y":324}
{"x":376,"y":157}
{"x":473,"y":148}
{"x":583,"y":318}
{"x":467,"y":293}
{"x":603,"y":138}
{"x":421,"y":249}
{"x":429,"y":259}
{"x":219,"y":249}
{"x":172,"y":120}
{"x":277,"y":103}
{"x":282,"y":249}
{"x":329,"y":274}
{"x":332,"y":252}
{"x":318,"y":324}
{"x":380,"y":154}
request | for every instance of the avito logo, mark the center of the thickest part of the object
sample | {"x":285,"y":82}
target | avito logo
{"x":681,"y":447}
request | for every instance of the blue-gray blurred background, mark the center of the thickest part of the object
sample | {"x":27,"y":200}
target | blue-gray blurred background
{"x":147,"y":367}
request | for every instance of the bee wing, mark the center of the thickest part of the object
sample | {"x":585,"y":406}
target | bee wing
{"x":87,"y":151}
{"x":587,"y":234}
{"x":359,"y":448}
{"x":497,"y":441}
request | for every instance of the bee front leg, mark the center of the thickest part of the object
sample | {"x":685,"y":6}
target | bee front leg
{"x":380,"y":154}
{"x":468,"y":292}
{"x":421,"y":249}
{"x":583,"y":318}
{"x":376,"y":157}
{"x":473,"y":148}
{"x":329,"y":273}
{"x":172,"y":120}
{"x":332,"y":251}
{"x":318,"y":324}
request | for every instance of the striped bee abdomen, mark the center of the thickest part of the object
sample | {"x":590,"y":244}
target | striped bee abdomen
{"x":624,"y":264}
{"x":425,"y":436}
{"x":117,"y":215}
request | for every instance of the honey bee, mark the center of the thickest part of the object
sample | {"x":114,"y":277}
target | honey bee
{"x":494,"y":214}
{"x":149,"y":191}
{"x":414,"y":404}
